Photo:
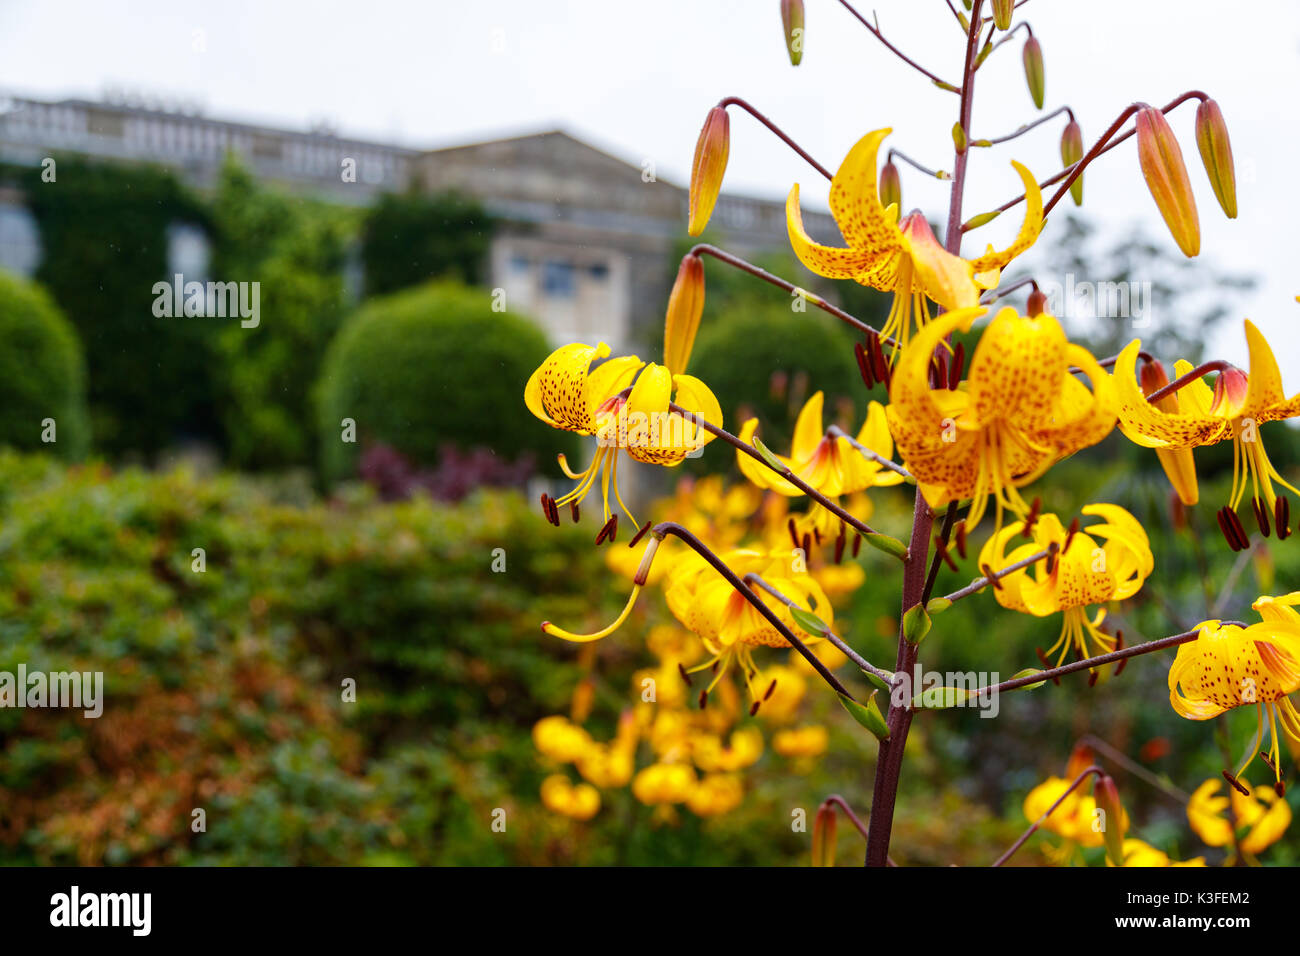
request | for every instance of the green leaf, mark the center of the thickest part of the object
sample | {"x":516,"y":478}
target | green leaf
{"x":938,"y":605}
{"x":883,"y":542}
{"x":1027,"y":672}
{"x":938,"y":698}
{"x":768,"y":456}
{"x":877,"y":681}
{"x":868,"y":715}
{"x":809,"y":621}
{"x":916,"y":624}
{"x":983,"y":219}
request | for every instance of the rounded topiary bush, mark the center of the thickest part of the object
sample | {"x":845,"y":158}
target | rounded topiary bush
{"x":774,"y":358}
{"x":429,"y":367}
{"x":42,"y":373}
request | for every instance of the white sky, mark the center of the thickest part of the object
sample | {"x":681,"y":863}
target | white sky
{"x":637,"y":77}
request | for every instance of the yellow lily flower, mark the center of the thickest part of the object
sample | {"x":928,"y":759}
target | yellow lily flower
{"x":831,"y":466}
{"x":803,"y":742}
{"x":1228,"y":666}
{"x":1018,"y":413}
{"x":728,"y":625}
{"x":580,"y":801}
{"x":743,"y":750}
{"x":1235,"y":408}
{"x":560,"y":739}
{"x":1084,"y":572}
{"x":901,"y":257}
{"x":1263,"y":815}
{"x":716,"y":794}
{"x":664,"y":783}
{"x":1073,"y":819}
{"x":1138,"y":853}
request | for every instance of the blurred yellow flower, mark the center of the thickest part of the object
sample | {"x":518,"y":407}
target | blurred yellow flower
{"x":1263,"y":816}
{"x":578,"y":801}
{"x":716,"y":794}
{"x":1138,"y":853}
{"x":808,"y":741}
{"x":664,"y":783}
{"x":560,"y":739}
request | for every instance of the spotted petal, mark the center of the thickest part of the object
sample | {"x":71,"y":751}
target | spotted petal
{"x":1030,"y":226}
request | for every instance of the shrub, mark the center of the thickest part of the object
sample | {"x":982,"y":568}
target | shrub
{"x":42,"y":372}
{"x":409,"y":239}
{"x":432,"y":366}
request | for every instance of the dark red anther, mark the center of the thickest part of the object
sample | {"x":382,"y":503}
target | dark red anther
{"x":1282,"y":517}
{"x":1093,"y":674}
{"x":639,"y":535}
{"x":1236,"y":784}
{"x":1280,"y":788}
{"x":857,"y":544}
{"x":817,"y":536}
{"x":993,"y":578}
{"x":1232,"y":530}
{"x":704,"y":699}
{"x":807,"y":544}
{"x":753,"y":708}
{"x":1069,"y":536}
{"x":681,"y":669}
{"x":794,"y":532}
{"x":941,"y":549}
{"x":608,"y":530}
{"x":938,"y":378}
{"x":879,"y":365}
{"x":573,"y":511}
{"x":956,"y":368}
{"x":864,"y":365}
{"x":770,"y":688}
{"x":1268,"y":761}
{"x":1119,"y":646}
{"x":961,"y":540}
{"x":1261,"y":516}
{"x":1031,"y":519}
{"x":839,"y":545}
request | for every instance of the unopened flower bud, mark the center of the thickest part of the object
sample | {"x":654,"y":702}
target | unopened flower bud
{"x":1106,"y":794}
{"x":792,"y":20}
{"x":1216,"y":155}
{"x":1166,"y":176}
{"x":707,"y":169}
{"x":685,"y":306}
{"x":891,"y":187}
{"x":1071,"y":153}
{"x":1002,"y":10}
{"x":823,"y":836}
{"x":959,"y":137}
{"x":1033,"y":56}
{"x":1037,"y":303}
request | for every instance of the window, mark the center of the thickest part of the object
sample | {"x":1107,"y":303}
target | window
{"x":599,"y":271}
{"x":557,"y":279}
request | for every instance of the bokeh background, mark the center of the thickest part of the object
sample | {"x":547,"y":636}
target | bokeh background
{"x":519,"y":183}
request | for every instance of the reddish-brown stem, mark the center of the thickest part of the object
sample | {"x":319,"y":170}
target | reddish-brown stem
{"x":935,"y":173}
{"x":1182,"y":381}
{"x":1028,"y":126}
{"x":1033,"y":827}
{"x":889,"y":762}
{"x":943,"y":84}
{"x":700,"y":548}
{"x":704,"y":249}
{"x":979,"y":584}
{"x":780,"y":133}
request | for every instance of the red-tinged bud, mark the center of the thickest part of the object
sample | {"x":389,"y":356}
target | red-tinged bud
{"x":891,"y":187}
{"x":1033,"y":57}
{"x":1230,"y":393}
{"x":1071,"y":153}
{"x":685,"y":306}
{"x":1166,"y":176}
{"x":1002,"y":10}
{"x":1216,"y":155}
{"x":792,"y":21}
{"x":707,"y":170}
{"x":1081,"y":758}
{"x":1037,"y":303}
{"x":823,"y":836}
{"x":1107,"y":796}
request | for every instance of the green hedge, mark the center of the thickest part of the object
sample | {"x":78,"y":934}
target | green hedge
{"x":42,"y":372}
{"x":433,"y":366}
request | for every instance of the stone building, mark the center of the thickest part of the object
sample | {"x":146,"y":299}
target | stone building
{"x":584,"y":244}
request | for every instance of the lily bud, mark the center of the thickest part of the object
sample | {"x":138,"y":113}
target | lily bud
{"x":1106,"y":794}
{"x":685,"y":306}
{"x":1033,"y":57}
{"x":823,"y":836}
{"x":1081,"y":758}
{"x":707,"y":169}
{"x":891,"y":187}
{"x":792,"y":20}
{"x":1178,"y":463}
{"x":959,"y":137}
{"x":1216,"y":155}
{"x":1071,"y":153}
{"x":1037,"y":303}
{"x":1166,"y":176}
{"x":1002,"y":10}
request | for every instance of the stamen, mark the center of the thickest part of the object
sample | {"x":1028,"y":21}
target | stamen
{"x":961,"y":540}
{"x":753,"y":708}
{"x":794,"y":532}
{"x":864,"y":366}
{"x":1119,"y":646}
{"x":1261,"y":516}
{"x":770,"y":688}
{"x":573,"y":511}
{"x":1046,"y":663}
{"x":637,"y":537}
{"x":839,"y":545}
{"x":681,"y":669}
{"x":857,"y":544}
{"x":1236,"y":784}
{"x":1282,"y":517}
{"x":704,"y":699}
{"x":553,"y":631}
{"x":941,"y":549}
{"x":957,"y":366}
{"x":607,"y":530}
{"x":807,"y":543}
{"x":1032,"y":518}
{"x":988,"y":573}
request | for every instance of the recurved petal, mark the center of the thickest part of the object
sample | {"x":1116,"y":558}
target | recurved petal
{"x":557,"y":391}
{"x":756,"y":471}
{"x":1144,"y":424}
{"x":945,"y":278}
{"x":831,"y":262}
{"x":855,"y":203}
{"x":608,"y":379}
{"x":808,"y":431}
{"x":1264,"y":388}
{"x":1030,"y":226}
{"x":916,"y":415}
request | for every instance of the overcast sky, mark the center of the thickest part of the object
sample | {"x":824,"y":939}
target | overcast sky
{"x":637,"y":77}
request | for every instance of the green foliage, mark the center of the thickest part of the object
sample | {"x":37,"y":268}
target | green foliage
{"x":295,"y":250}
{"x":433,"y":366}
{"x":104,"y":235}
{"x":409,"y":239}
{"x":773,"y":359}
{"x":42,"y":372}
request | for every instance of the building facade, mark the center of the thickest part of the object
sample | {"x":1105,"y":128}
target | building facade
{"x":584,"y":242}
